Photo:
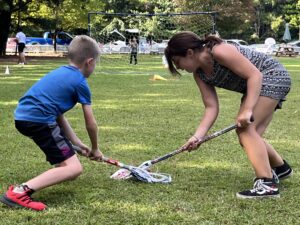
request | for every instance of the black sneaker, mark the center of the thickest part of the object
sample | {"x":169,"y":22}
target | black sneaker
{"x":263,"y":188}
{"x":275,"y":177}
{"x":284,"y":171}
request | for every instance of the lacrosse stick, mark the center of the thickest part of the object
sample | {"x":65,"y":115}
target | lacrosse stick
{"x":123,"y":174}
{"x":136,"y":172}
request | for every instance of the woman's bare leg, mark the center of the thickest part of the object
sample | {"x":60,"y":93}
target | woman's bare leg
{"x":259,"y":152}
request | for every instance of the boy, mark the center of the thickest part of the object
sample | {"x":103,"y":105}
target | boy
{"x":40,"y":116}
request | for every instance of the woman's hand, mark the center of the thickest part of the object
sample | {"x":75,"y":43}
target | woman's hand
{"x":192,"y":143}
{"x":244,"y":119}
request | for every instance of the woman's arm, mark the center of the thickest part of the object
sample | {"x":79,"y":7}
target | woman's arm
{"x":211,"y":104}
{"x":230,"y":57}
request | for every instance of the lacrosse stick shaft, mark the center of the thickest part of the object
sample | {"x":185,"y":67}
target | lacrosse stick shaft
{"x":107,"y":160}
{"x":138,"y":173}
{"x":206,"y":138}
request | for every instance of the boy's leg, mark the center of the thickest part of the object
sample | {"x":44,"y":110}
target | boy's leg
{"x":51,"y":139}
{"x":57,"y":148}
{"x":67,"y":170}
{"x":20,"y":196}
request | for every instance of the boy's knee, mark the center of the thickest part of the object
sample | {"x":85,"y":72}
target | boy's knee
{"x":75,"y":171}
{"x":78,"y":171}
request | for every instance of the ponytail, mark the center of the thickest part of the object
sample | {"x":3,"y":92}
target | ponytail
{"x":182,"y":41}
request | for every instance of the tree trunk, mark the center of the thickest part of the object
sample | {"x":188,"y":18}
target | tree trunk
{"x":5,"y":22}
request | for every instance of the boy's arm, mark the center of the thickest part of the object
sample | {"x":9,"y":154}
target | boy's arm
{"x":92,"y":129}
{"x":66,"y":127}
{"x":70,"y":134}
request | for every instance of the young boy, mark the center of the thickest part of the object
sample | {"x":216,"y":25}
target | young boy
{"x":40,"y":116}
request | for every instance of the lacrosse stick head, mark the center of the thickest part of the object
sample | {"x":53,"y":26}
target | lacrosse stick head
{"x":145,"y":165}
{"x":121,"y":174}
{"x":124,"y":174}
{"x":147,"y":177}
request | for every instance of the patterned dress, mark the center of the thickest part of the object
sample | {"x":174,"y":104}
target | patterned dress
{"x":276,"y":81}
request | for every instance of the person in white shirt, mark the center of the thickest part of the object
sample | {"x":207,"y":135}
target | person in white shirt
{"x":21,"y":40}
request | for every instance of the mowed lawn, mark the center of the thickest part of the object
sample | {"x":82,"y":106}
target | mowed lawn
{"x":140,"y":119}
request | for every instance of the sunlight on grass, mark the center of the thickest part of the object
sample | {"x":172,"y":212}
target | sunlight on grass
{"x":14,"y":77}
{"x":127,"y":207}
{"x":292,"y":65}
{"x":107,"y":106}
{"x":129,"y":147}
{"x":110,"y":128}
{"x":285,"y":141}
{"x":203,"y":165}
{"x":9,"y":103}
{"x":154,"y":95}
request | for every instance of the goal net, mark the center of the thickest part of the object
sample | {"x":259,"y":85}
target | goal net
{"x":135,"y":43}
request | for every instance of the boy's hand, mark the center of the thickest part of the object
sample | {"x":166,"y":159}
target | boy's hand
{"x":96,"y":155}
{"x":84,"y":149}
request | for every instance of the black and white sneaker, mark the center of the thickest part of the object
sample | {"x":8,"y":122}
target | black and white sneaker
{"x":275,"y":177}
{"x":263,"y":188}
{"x":284,"y":171}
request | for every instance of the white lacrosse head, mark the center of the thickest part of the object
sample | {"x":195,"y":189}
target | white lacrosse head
{"x":121,"y":174}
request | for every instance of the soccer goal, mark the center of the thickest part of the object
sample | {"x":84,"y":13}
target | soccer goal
{"x":135,"y":43}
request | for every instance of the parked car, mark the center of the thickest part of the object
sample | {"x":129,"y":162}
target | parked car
{"x":236,"y":41}
{"x":115,"y":47}
{"x":62,"y":38}
{"x":268,"y":49}
{"x":40,"y":44}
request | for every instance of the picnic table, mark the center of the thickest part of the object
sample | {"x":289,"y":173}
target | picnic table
{"x":285,"y":50}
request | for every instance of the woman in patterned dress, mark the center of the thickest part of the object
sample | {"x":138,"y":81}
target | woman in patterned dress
{"x":264,"y":84}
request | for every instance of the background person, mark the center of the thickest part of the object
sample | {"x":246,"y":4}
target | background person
{"x":40,"y":116}
{"x":133,"y":50}
{"x":21,"y":41}
{"x":264,"y":83}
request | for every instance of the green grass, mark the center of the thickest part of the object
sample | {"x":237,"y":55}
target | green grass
{"x":139,"y":120}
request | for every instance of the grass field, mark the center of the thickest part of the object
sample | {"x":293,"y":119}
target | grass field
{"x":139,"y":120}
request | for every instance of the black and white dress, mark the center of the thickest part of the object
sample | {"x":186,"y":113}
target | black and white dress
{"x":276,"y":81}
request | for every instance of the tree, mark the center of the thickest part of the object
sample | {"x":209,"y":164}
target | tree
{"x":8,"y":7}
{"x":271,"y":17}
{"x":234,"y":17}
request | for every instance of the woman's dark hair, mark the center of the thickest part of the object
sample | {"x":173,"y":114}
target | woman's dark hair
{"x":182,"y":41}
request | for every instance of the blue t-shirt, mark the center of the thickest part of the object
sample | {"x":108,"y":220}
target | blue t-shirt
{"x":53,"y":95}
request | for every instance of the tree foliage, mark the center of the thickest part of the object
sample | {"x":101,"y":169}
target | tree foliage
{"x":248,"y":19}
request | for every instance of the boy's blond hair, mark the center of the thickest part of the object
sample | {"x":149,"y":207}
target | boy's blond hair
{"x":81,"y":48}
